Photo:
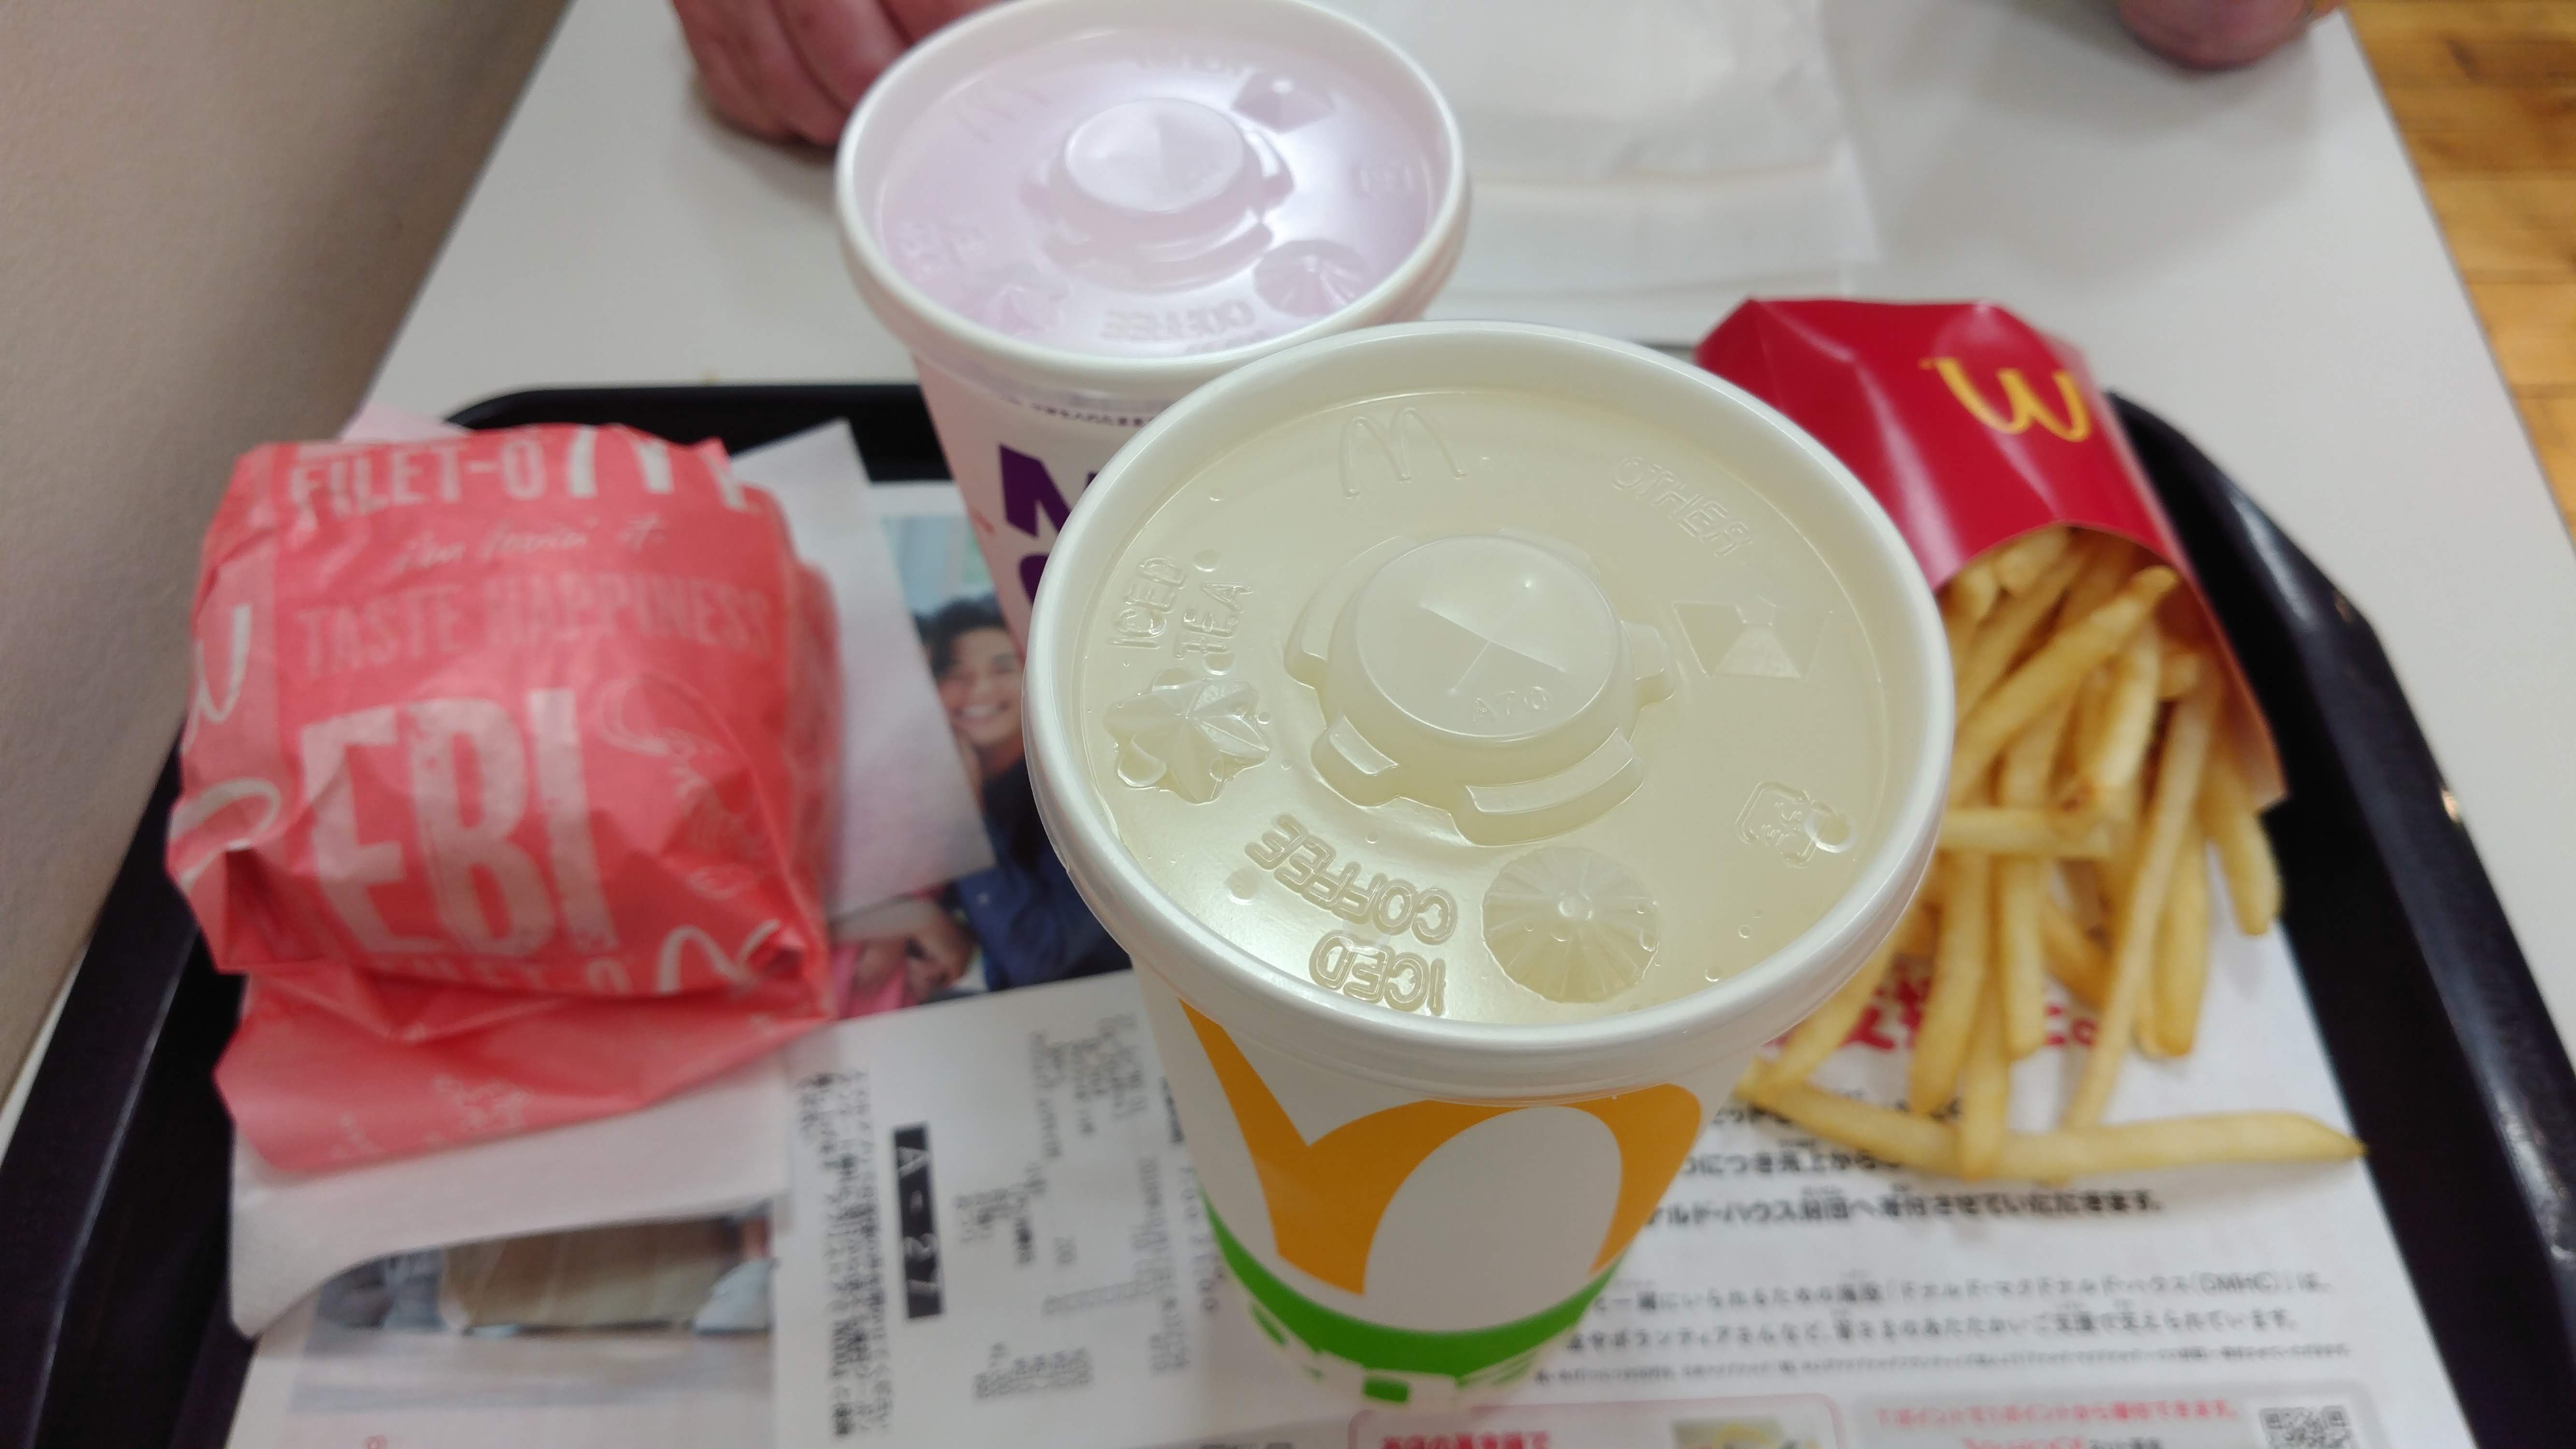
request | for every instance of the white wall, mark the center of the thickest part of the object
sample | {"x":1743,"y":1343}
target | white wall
{"x":212,"y":217}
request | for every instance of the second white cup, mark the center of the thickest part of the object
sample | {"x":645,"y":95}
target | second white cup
{"x":1076,"y":211}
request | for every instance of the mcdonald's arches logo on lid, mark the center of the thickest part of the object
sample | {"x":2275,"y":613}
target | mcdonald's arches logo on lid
{"x":2022,"y":406}
{"x":1394,"y":443}
{"x":1327,"y":1197}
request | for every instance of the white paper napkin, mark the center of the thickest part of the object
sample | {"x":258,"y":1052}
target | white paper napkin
{"x":1628,"y":153}
{"x":715,"y":1148}
{"x":907,"y":818}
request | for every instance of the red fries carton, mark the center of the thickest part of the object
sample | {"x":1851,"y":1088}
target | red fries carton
{"x":506,"y":781}
{"x":1972,"y":428}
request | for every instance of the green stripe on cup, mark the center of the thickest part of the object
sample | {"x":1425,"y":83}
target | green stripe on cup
{"x":1462,"y":1354}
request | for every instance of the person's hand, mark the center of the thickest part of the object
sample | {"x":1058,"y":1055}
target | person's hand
{"x":941,"y":952}
{"x":912,"y":935}
{"x":792,"y":69}
{"x":2216,"y":34}
{"x":876,"y":960}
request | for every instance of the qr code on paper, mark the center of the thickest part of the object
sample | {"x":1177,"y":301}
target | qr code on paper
{"x":2329,"y":1427}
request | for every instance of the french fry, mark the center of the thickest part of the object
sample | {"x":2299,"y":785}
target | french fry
{"x":2092,"y":704}
{"x":1976,"y":588}
{"x":1958,"y":979}
{"x":2068,"y":971}
{"x":2028,"y":830}
{"x":2180,"y":671}
{"x":2081,"y":890}
{"x":2244,"y":851}
{"x":1909,"y":1141}
{"x":2019,"y":563}
{"x":2021,"y":952}
{"x":2178,"y":770}
{"x":2124,"y":870}
{"x":2114,"y":755}
{"x":2090,"y":778}
{"x":2182,"y":948}
{"x":2021,"y":884}
{"x":2030,"y":762}
{"x":1915,"y":933}
{"x":2073,"y":960}
{"x":1985,"y":1088}
{"x":1999,"y":640}
{"x":2052,"y":672}
{"x":2173,"y":1142}
{"x":1960,"y":627}
{"x":2108,"y":563}
{"x":1832,"y":1023}
{"x":2144,"y":1037}
{"x":2112,"y":880}
{"x":1898,"y":1138}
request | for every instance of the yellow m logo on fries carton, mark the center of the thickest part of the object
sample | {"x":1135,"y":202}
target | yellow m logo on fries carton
{"x":2022,"y":406}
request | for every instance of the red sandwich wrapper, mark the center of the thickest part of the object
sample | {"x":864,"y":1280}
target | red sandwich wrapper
{"x":506,"y":781}
{"x":1972,"y":428}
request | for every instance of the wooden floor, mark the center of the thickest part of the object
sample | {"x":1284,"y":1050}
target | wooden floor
{"x":2485,"y":93}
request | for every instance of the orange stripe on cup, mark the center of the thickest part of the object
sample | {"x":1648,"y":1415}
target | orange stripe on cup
{"x":1328,"y":1196}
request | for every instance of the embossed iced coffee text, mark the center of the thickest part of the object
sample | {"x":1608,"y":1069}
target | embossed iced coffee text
{"x":1303,"y":863}
{"x":1366,"y":971}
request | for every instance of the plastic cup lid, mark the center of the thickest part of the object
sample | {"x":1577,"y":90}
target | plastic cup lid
{"x":1540,"y":683}
{"x":1141,"y":180}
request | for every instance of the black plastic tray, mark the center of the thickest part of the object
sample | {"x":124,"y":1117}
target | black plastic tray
{"x":114,"y":1328}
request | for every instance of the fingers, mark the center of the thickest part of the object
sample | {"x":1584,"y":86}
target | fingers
{"x":875,"y":960}
{"x":793,"y":69}
{"x":786,"y":87}
{"x":721,"y":70}
{"x":942,"y":959}
{"x":944,"y":946}
{"x":917,"y":18}
{"x":843,"y":44}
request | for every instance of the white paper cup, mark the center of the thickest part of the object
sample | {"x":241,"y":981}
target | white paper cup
{"x":1026,"y":423}
{"x":1418,"y":1206}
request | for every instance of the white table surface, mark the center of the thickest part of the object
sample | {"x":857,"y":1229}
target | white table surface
{"x":2248,"y":254}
